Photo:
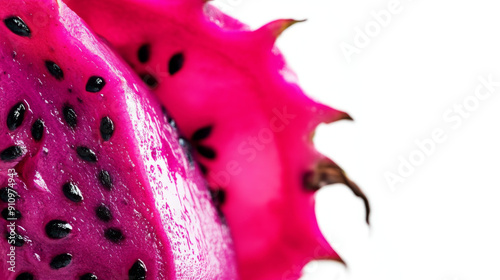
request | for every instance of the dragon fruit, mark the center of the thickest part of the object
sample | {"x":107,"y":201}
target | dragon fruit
{"x":249,"y":122}
{"x":94,"y":181}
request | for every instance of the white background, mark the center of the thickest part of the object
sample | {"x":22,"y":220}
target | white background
{"x":442,"y":222}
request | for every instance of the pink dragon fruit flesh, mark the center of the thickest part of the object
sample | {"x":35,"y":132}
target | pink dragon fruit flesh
{"x":94,"y":182}
{"x":251,"y":125}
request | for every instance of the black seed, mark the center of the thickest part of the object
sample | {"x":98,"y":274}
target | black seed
{"x":218,"y":197}
{"x":57,"y":229}
{"x":88,"y":276}
{"x":86,"y":154}
{"x":54,"y":70}
{"x":61,"y":261}
{"x":114,"y":235}
{"x":144,"y":53}
{"x":202,"y":133}
{"x":70,"y":116}
{"x":12,"y":215}
{"x":17,"y":240}
{"x":107,"y":128}
{"x":11,"y":153}
{"x":17,"y":26}
{"x":103,"y":213}
{"x":149,"y":80}
{"x":206,"y":152}
{"x":4,"y":194}
{"x":16,"y":116}
{"x":175,"y":64}
{"x":72,"y":192}
{"x":137,"y":271}
{"x":25,"y":276}
{"x":37,"y":130}
{"x":105,"y":179}
{"x":95,"y":84}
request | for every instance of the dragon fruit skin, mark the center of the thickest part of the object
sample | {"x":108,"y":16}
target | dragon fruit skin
{"x":231,"y":92}
{"x":105,"y":189}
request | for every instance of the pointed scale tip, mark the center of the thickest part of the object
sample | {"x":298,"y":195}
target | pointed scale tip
{"x":327,"y":173}
{"x":346,"y":117}
{"x":336,"y":115}
{"x":330,"y":115}
{"x":342,"y":262}
{"x":275,"y":28}
{"x":338,"y":259}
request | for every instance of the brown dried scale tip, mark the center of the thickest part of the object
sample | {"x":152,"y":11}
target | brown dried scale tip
{"x":326,"y":173}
